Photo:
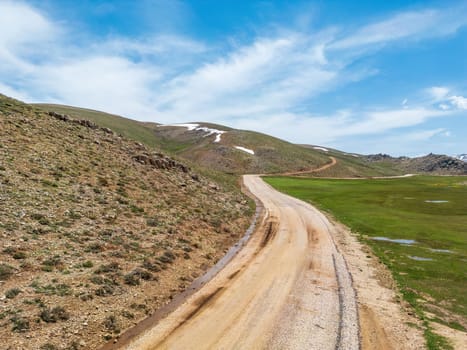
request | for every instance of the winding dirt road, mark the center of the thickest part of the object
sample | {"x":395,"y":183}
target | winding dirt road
{"x":317,"y":170}
{"x":288,"y":288}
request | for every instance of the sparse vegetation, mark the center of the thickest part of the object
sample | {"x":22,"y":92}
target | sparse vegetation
{"x":55,"y":314}
{"x":75,"y":205}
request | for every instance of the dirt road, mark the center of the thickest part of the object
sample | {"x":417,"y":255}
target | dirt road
{"x":288,"y":288}
{"x":317,"y":170}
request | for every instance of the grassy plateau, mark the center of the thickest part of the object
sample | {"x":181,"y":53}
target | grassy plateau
{"x":429,"y":212}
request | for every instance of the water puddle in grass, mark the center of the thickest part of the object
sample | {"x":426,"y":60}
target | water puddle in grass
{"x":441,"y":251}
{"x":399,"y":241}
{"x":419,"y":258}
{"x":436,"y":201}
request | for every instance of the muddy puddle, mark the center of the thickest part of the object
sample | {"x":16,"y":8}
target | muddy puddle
{"x":396,"y":240}
{"x":447,"y":251}
{"x":419,"y":258}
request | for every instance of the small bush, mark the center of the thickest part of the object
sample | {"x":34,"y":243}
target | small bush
{"x":152,"y":222}
{"x":87,"y":264}
{"x":111,"y":267}
{"x":11,"y":293}
{"x":148,"y":265}
{"x":111,"y":323}
{"x":6,"y":271}
{"x":94,"y":248}
{"x":133,"y":278}
{"x":58,"y":313}
{"x":105,"y":290}
{"x":19,"y":255}
{"x":20,"y":324}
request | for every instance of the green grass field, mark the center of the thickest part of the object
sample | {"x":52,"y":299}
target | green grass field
{"x":431,"y":273}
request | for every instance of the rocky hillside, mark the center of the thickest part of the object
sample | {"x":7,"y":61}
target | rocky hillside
{"x":432,"y":163}
{"x":97,"y":231}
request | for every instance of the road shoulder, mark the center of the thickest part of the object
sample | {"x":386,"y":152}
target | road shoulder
{"x":385,"y":321}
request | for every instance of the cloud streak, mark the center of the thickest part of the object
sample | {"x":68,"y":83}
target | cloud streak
{"x":268,"y":84}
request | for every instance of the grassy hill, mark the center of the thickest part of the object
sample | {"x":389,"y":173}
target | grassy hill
{"x":97,"y":230}
{"x":241,"y":151}
{"x":272,"y":155}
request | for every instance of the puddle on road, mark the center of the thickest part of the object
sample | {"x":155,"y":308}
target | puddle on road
{"x":441,"y":251}
{"x":419,"y":258}
{"x":399,"y":241}
{"x":436,"y":201}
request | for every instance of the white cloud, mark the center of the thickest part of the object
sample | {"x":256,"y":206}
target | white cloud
{"x":438,"y":93}
{"x":266,"y":85}
{"x":421,"y":135}
{"x":112,"y":84}
{"x":443,"y":106}
{"x":405,"y":25}
{"x":448,"y":101}
{"x":458,"y":101}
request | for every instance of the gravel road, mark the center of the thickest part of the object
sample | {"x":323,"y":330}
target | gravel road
{"x":288,"y":288}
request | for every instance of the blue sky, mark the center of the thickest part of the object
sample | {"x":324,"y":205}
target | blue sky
{"x":362,"y":76}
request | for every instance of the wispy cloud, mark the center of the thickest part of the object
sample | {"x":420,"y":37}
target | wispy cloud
{"x":406,"y":25}
{"x":268,"y":83}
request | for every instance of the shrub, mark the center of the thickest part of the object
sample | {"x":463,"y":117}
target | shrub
{"x":133,"y":278}
{"x":20,"y":324}
{"x":11,"y":293}
{"x":58,"y":313}
{"x":105,"y":290}
{"x":111,"y":267}
{"x":19,"y":255}
{"x":6,"y":271}
{"x":147,"y":264}
{"x":88,"y":264}
{"x":111,"y":323}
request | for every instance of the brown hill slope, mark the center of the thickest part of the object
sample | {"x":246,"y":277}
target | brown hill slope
{"x":96,"y":231}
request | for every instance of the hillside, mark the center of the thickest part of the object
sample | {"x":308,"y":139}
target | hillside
{"x":96,"y":230}
{"x":353,"y":165}
{"x":195,"y":142}
{"x":215,"y":150}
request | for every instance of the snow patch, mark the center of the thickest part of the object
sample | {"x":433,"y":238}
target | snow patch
{"x":245,"y":149}
{"x":197,"y":127}
{"x":321,"y":148}
{"x":436,"y":201}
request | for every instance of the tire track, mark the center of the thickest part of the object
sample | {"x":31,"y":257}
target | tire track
{"x":289,"y":287}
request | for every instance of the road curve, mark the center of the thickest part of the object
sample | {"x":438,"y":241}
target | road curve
{"x":288,"y":288}
{"x":310,"y":171}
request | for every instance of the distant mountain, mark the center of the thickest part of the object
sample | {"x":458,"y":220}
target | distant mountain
{"x":432,"y":163}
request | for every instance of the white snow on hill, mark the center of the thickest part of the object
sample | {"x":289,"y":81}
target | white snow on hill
{"x":245,"y":150}
{"x":462,"y":157}
{"x":197,"y":127}
{"x":320,"y":148}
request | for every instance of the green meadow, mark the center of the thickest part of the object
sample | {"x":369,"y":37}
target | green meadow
{"x":429,"y":210}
